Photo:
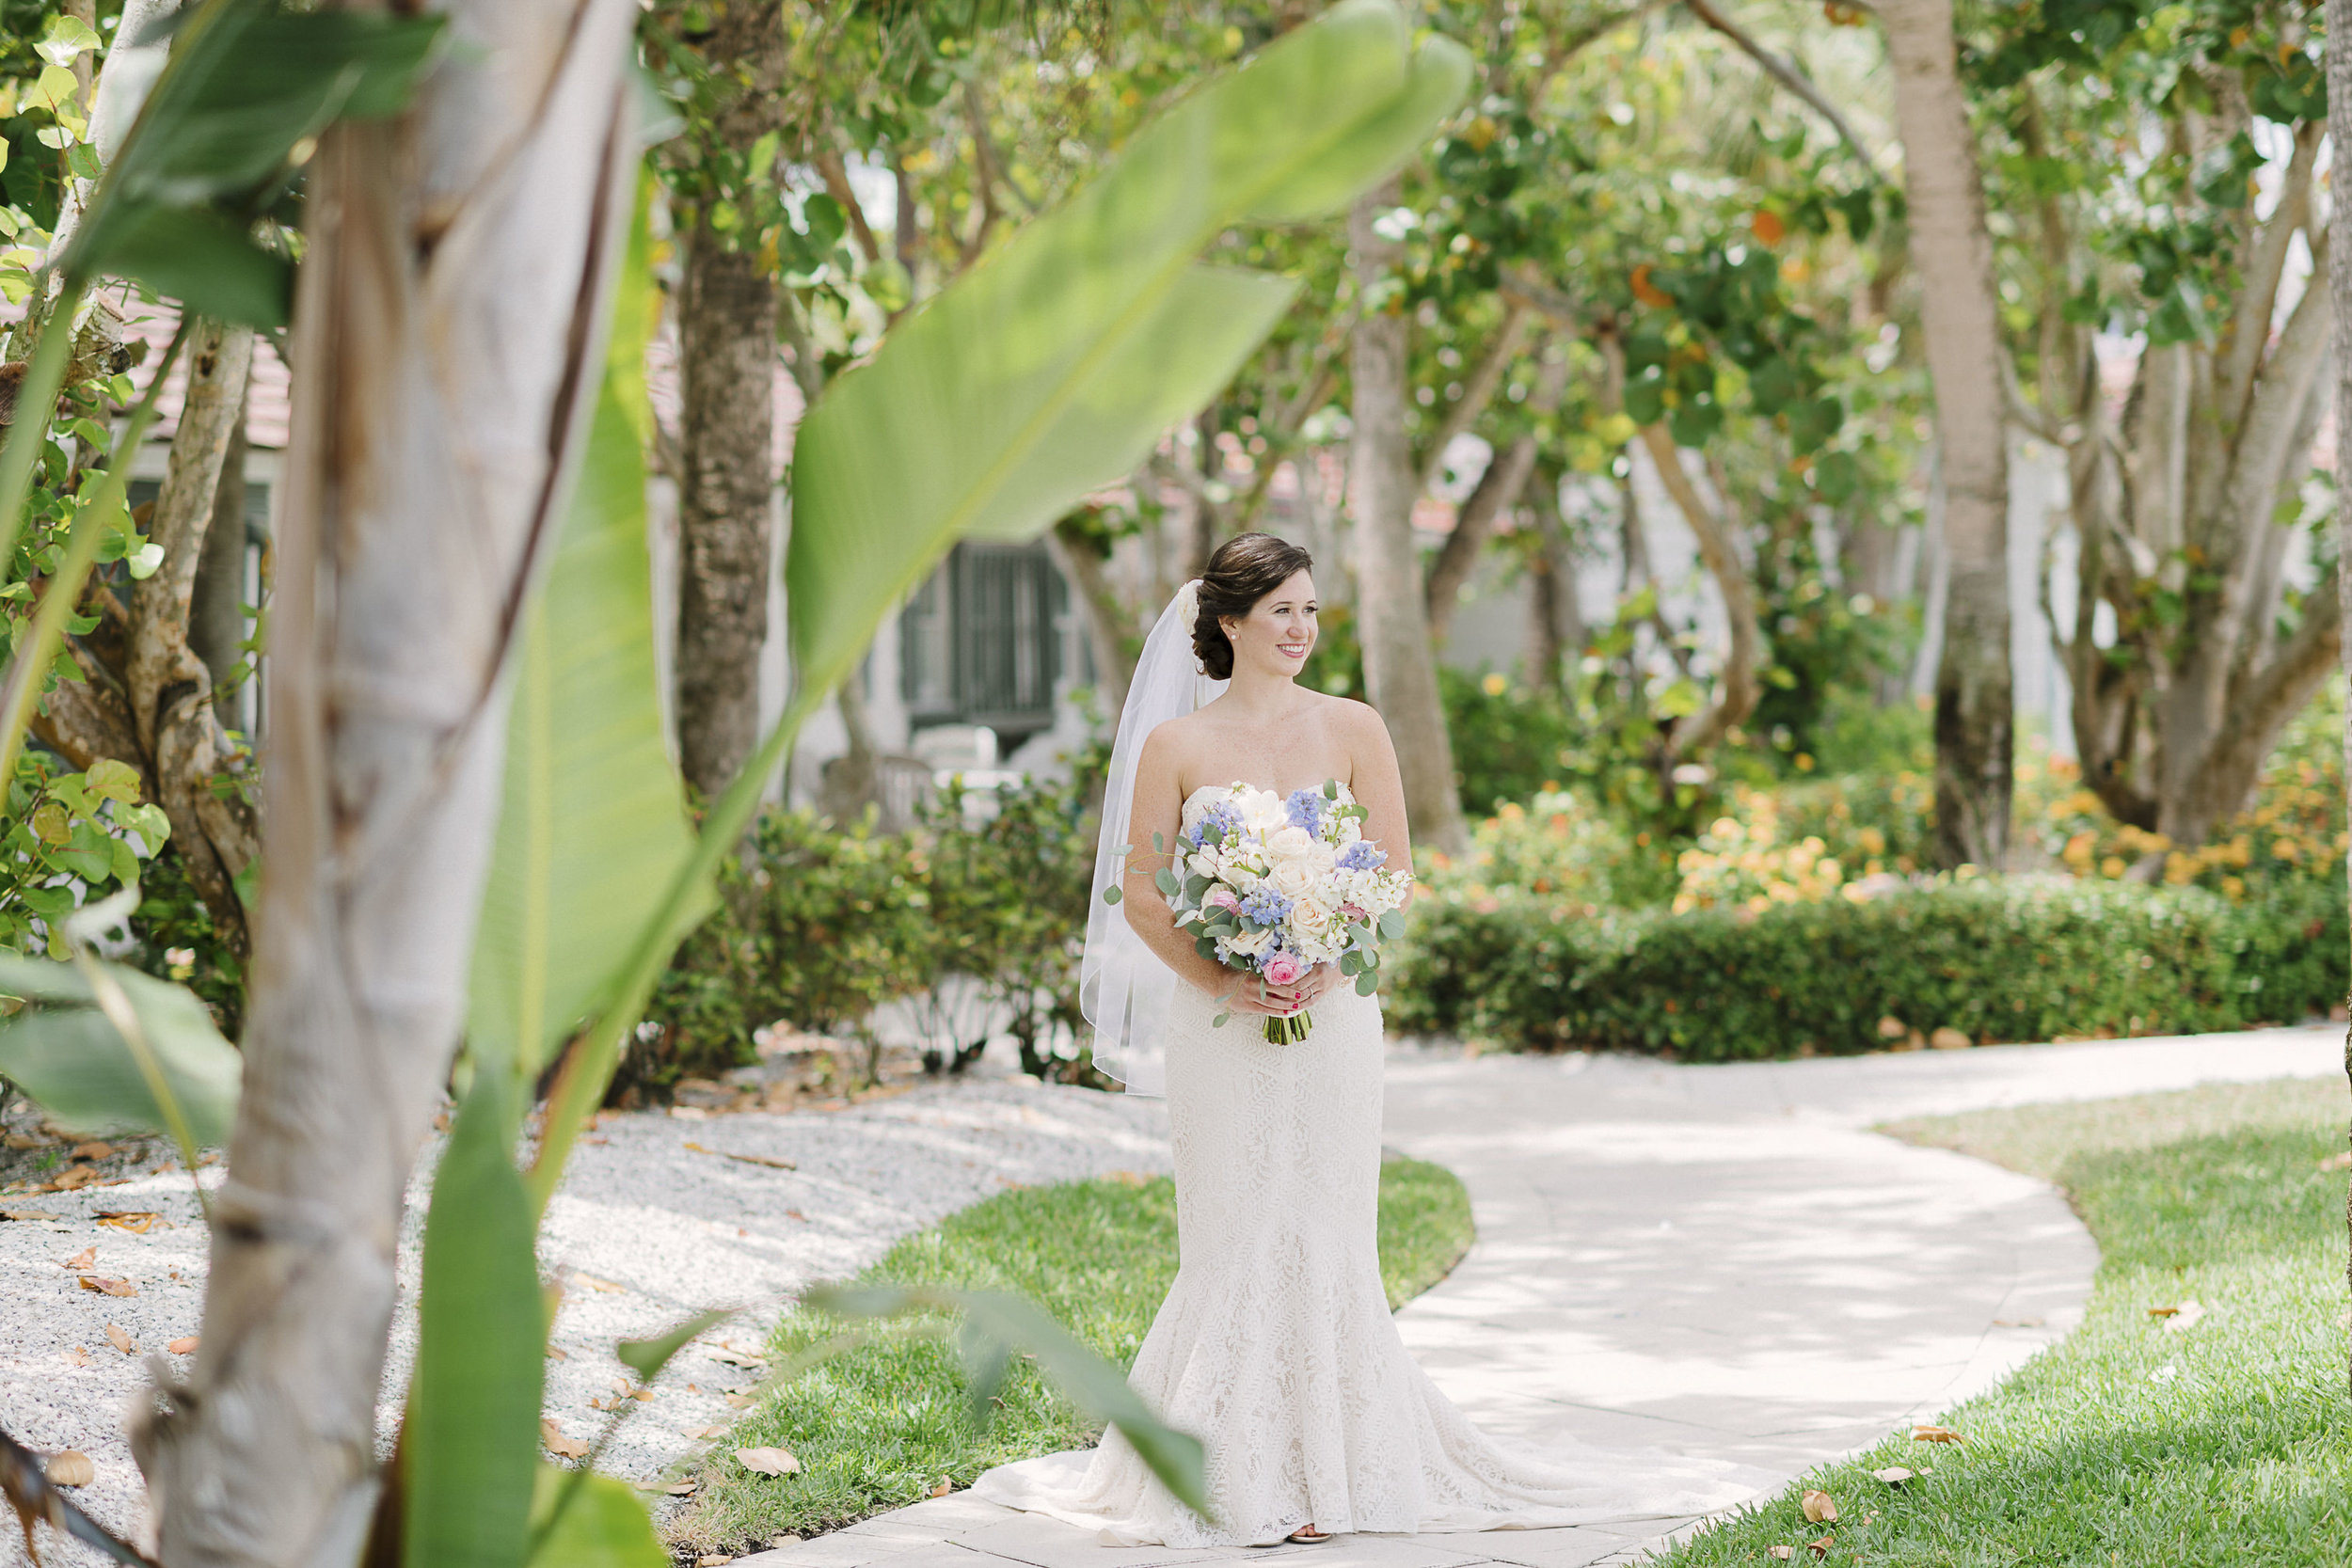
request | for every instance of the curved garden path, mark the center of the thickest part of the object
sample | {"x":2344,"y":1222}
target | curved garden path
{"x":1715,"y":1261}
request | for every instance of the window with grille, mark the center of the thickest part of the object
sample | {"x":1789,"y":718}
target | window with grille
{"x":980,"y":641}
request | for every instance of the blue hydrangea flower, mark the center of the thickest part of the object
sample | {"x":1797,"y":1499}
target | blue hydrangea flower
{"x":1219,"y":821}
{"x":1264,"y":907}
{"x":1361,"y":856}
{"x":1305,"y":809}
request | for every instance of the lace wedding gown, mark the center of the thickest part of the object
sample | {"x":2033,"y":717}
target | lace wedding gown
{"x":1275,"y":1345}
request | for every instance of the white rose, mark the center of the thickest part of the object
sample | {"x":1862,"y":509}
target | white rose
{"x":1203,"y":863}
{"x":1250,"y":943}
{"x":1292,"y":879}
{"x":1310,"y":919}
{"x":1289,"y":843}
{"x":1321,"y":857}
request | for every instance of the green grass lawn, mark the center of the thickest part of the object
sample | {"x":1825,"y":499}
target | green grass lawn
{"x":883,"y":1427}
{"x":2132,"y":1444}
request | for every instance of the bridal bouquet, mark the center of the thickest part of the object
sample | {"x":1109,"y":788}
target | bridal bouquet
{"x":1270,"y":887}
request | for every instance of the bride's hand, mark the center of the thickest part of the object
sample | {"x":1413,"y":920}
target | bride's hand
{"x":1257,"y":997}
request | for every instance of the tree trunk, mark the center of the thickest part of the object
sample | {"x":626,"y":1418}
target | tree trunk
{"x":2340,"y":287}
{"x":1111,"y":634}
{"x":727,"y":354}
{"x":1556,"y":627}
{"x":216,"y":610}
{"x":422,"y":488}
{"x":1953,"y":251}
{"x":1400,"y":671}
{"x":215,"y":831}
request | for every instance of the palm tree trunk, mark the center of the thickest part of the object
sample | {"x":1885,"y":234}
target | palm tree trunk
{"x":1400,"y":669}
{"x":422,"y":488}
{"x":1974,"y":718}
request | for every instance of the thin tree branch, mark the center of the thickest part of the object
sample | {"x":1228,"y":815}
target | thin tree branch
{"x":1736,"y":689}
{"x":1478,"y":390}
{"x":1787,"y":74}
{"x":836,"y":178}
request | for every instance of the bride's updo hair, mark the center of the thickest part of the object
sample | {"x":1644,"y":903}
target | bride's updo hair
{"x":1245,"y":569}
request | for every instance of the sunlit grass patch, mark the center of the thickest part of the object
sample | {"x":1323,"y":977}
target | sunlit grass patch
{"x":885,"y":1426}
{"x":2225,"y":1440}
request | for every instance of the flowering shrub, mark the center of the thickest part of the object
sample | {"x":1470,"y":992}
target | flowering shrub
{"x":1557,"y":844}
{"x":2293,"y":833}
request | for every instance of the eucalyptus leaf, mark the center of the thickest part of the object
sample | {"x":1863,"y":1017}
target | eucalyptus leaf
{"x":1367,"y":983}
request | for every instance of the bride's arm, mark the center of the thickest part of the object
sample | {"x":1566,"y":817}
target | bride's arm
{"x":1159,"y":807}
{"x":1378,"y":786}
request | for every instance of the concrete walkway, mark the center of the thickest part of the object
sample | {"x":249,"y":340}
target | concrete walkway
{"x":1713,"y":1261}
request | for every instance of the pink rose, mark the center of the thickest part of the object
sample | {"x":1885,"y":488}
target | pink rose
{"x":1349,"y":912}
{"x":1285,"y":969}
{"x":1221,"y":898}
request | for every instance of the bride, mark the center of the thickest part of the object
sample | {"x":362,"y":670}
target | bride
{"x":1275,"y":1345}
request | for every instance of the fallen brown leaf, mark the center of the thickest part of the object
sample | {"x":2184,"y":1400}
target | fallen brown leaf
{"x":27,"y":1214}
{"x":184,"y":1345}
{"x":1948,"y":1038}
{"x":1927,"y":1431}
{"x":121,"y":1340}
{"x":593,"y":1283}
{"x":1783,"y":1553}
{"x":781,"y":1541}
{"x":81,"y":1259}
{"x":108,"y":1287}
{"x":703,"y":1434}
{"x":734,"y":1357}
{"x":93,"y":1152}
{"x":767,"y":1462}
{"x":70,"y":1468}
{"x":943,"y":1487}
{"x":740,"y":1401}
{"x":1894,"y":1475}
{"x":1819,"y":1508}
{"x":1820,"y":1548}
{"x":772,"y":1161}
{"x":557,"y":1444}
{"x":557,"y":1352}
{"x":136,"y":1221}
{"x":77,"y":1356}
{"x":643,"y":1396}
{"x":712,"y":1560}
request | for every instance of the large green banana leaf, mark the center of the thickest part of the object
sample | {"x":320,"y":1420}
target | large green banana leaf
{"x":593,"y":825}
{"x":1051,"y":367}
{"x":64,"y":1053}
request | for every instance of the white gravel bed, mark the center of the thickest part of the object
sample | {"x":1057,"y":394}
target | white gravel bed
{"x":646,"y":1232}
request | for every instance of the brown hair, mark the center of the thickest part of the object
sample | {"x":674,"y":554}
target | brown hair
{"x":1245,"y":569}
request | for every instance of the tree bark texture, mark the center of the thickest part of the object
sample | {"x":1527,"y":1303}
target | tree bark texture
{"x":216,"y":607}
{"x":727,"y":307}
{"x":1400,"y":669}
{"x":2339,"y":289}
{"x":727,"y":354}
{"x":1556,"y":627}
{"x":1953,"y":252}
{"x":450,"y":322}
{"x":147,"y":699}
{"x":2176,"y":503}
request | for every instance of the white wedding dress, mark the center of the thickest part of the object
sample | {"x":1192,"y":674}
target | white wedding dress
{"x":1275,"y":1345}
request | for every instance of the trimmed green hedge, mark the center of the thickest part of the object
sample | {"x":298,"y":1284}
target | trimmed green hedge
{"x":2011,"y":960}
